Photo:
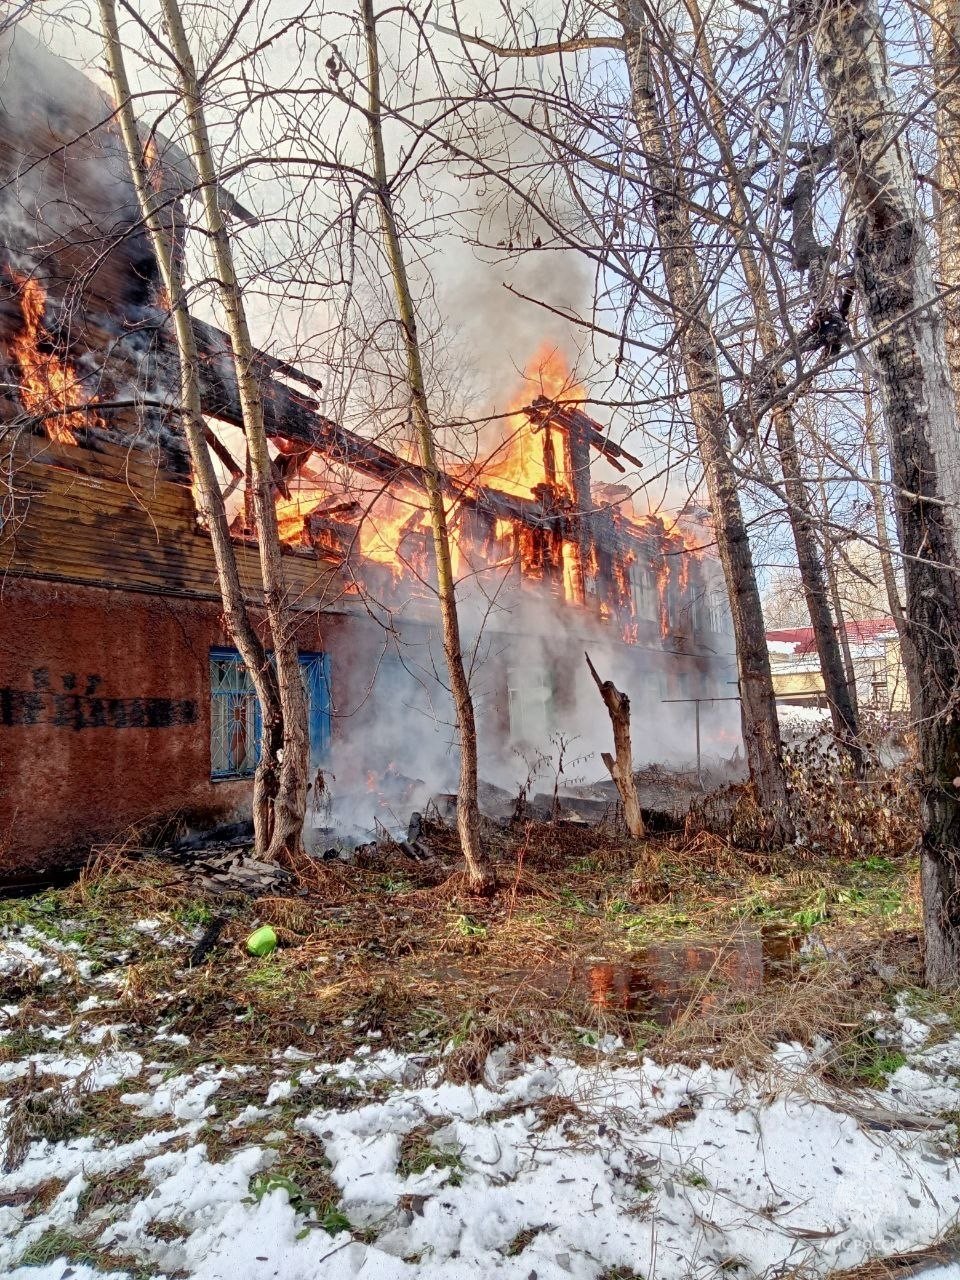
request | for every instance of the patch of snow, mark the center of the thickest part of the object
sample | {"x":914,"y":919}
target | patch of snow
{"x":182,"y":1097}
{"x":172,"y":1037}
{"x":61,"y":1269}
{"x":279,"y":1089}
{"x":98,"y":1073}
{"x":17,"y":957}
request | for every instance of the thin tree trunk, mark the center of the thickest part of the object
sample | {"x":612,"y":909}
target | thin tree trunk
{"x":668,"y":198}
{"x":907,"y":655}
{"x":620,"y":765}
{"x":843,"y":710}
{"x":479,"y":871}
{"x":235,"y":604}
{"x":833,"y":584}
{"x":849,"y":668}
{"x":895,"y":277}
{"x":290,"y":735}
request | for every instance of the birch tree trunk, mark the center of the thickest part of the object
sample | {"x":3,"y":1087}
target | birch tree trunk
{"x":479,"y":871}
{"x":840,"y":698}
{"x":670,"y":204}
{"x":895,"y":277}
{"x":239,"y":624}
{"x":289,"y":736}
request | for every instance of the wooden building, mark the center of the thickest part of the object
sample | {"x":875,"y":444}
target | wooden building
{"x":121,"y":699}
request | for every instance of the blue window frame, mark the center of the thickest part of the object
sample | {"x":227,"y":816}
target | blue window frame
{"x":235,"y":719}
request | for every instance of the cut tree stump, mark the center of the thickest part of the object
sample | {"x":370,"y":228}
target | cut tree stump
{"x":620,"y":766}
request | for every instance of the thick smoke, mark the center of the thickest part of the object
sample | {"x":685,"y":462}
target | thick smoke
{"x":403,"y":731}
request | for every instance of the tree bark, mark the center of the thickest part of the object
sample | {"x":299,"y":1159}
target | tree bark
{"x":830,"y":569}
{"x":670,"y":205}
{"x":848,"y":667}
{"x":907,"y":655}
{"x":479,"y":871}
{"x":843,"y":710}
{"x":289,"y":735}
{"x":895,"y":277}
{"x":235,"y":604}
{"x":945,"y":29}
{"x":620,"y":766}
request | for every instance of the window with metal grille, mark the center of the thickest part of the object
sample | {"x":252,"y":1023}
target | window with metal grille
{"x":235,"y":719}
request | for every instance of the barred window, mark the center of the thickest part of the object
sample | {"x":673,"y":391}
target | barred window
{"x":235,"y":720}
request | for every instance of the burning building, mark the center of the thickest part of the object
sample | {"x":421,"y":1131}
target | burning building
{"x":121,"y":698}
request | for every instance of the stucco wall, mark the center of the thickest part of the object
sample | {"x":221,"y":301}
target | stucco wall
{"x":105,"y":715}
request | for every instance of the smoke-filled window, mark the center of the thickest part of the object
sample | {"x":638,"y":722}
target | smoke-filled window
{"x":530,"y":701}
{"x":711,"y":612}
{"x":646,"y":602}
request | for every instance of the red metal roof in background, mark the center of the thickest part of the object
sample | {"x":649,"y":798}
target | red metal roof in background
{"x":859,"y":631}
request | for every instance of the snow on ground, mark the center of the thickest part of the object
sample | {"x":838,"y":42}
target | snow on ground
{"x":550,"y":1169}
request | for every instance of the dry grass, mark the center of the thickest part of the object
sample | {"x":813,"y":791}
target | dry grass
{"x":399,"y":949}
{"x":899,"y":1266}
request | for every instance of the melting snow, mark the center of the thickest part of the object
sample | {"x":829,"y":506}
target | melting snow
{"x":548,"y":1168}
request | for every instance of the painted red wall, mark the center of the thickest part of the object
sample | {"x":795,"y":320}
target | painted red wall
{"x":104,"y":717}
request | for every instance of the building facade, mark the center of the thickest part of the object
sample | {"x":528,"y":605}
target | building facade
{"x":122,"y":701}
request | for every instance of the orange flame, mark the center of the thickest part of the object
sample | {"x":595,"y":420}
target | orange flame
{"x":46,"y":382}
{"x":392,"y":525}
{"x":572,"y":573}
{"x":663,"y":594}
{"x":387,"y":531}
{"x":529,"y":454}
{"x":292,"y":514}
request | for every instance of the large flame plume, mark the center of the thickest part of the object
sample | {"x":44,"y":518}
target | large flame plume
{"x":49,"y":386}
{"x":530,"y":460}
{"x":527,"y":455}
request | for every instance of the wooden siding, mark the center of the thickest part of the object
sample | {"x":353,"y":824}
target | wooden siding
{"x":111,"y":516}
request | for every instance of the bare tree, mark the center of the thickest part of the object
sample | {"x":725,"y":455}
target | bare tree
{"x":945,"y":29}
{"x":670,"y":204}
{"x":280,"y":789}
{"x":479,"y":871}
{"x":829,"y":639}
{"x":895,"y":278}
{"x":662,"y":187}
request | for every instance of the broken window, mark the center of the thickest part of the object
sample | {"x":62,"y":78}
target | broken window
{"x":235,"y":720}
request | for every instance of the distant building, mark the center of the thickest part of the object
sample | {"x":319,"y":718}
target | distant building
{"x":874,"y":653}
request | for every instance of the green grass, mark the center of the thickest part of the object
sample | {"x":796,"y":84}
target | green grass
{"x":193,"y":913}
{"x":864,"y":1060}
{"x":883,"y":1066}
{"x":57,"y":1243}
{"x":417,"y":1155}
{"x":394,"y":884}
{"x":468,"y":928}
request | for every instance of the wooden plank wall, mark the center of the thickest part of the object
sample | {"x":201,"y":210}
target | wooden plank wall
{"x":111,"y":516}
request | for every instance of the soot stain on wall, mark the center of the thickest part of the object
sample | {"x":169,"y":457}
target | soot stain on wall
{"x":44,"y":705}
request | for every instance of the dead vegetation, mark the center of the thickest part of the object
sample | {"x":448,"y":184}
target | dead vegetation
{"x":685,"y":946}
